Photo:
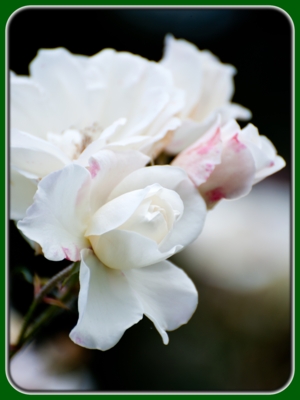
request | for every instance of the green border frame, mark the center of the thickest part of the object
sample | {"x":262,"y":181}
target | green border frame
{"x":7,"y":9}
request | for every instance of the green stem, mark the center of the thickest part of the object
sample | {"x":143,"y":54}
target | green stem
{"x":38,"y":299}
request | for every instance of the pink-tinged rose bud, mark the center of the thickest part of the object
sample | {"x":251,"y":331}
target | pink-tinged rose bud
{"x":227,"y":161}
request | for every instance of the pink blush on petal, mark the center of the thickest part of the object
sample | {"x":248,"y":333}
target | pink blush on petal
{"x":209,"y":167}
{"x":82,"y":192}
{"x":215,"y":195}
{"x":77,"y":339}
{"x":77,"y":255}
{"x":236,"y":145}
{"x":206,"y":147}
{"x":210,"y":143}
{"x":68,"y":254}
{"x":94,"y":168}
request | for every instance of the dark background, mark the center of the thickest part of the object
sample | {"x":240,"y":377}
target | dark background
{"x":205,"y":355}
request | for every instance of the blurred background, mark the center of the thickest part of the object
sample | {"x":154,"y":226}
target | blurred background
{"x":239,"y":339}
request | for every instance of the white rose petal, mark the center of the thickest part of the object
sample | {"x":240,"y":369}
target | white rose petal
{"x":189,"y":225}
{"x":34,"y":156}
{"x":108,"y":168}
{"x":22,"y":191}
{"x":107,"y":305}
{"x":126,"y":250}
{"x":182,"y":59}
{"x":59,"y":215}
{"x":111,"y":301}
{"x":208,"y":87}
{"x":168,"y":296}
{"x":265,"y":156}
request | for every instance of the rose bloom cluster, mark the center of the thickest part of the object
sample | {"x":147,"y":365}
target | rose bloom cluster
{"x":85,"y":133}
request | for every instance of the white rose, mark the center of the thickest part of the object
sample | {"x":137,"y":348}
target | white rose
{"x":208,"y":86}
{"x":70,"y":105}
{"x":123,"y":221}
